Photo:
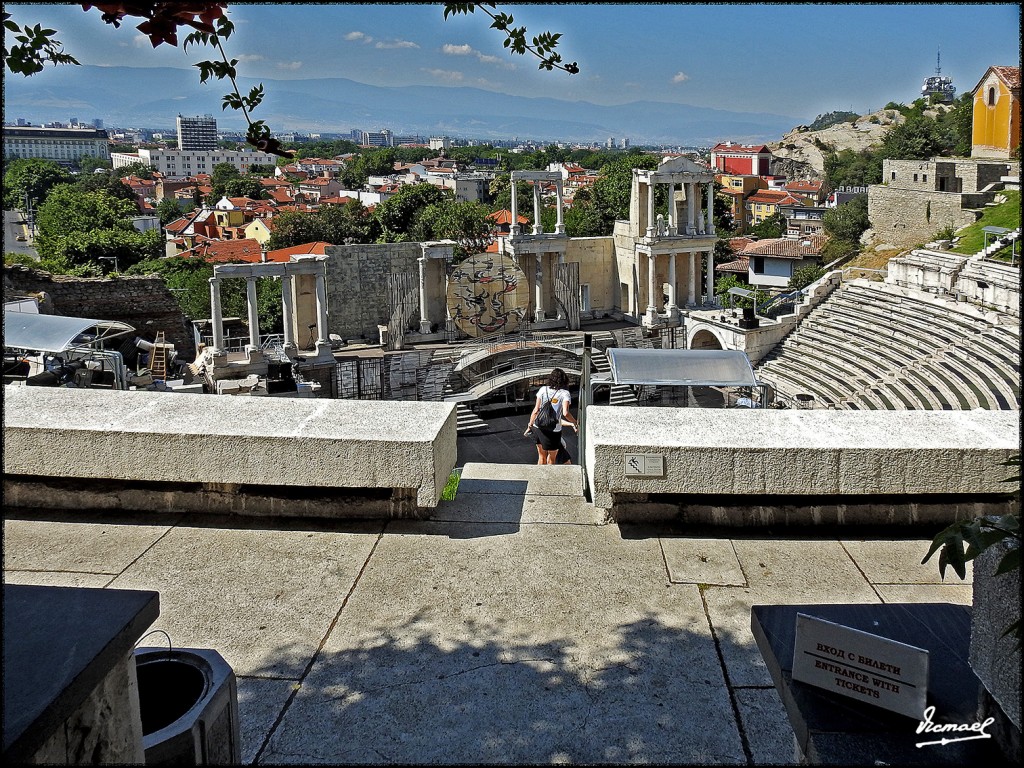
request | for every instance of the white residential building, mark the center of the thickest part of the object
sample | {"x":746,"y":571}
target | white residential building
{"x":175,"y":163}
{"x":197,"y":134}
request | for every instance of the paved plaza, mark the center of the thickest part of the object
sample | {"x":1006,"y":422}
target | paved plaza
{"x":516,"y":626}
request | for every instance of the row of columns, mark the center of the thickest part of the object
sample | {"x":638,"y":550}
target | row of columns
{"x":696,"y":222}
{"x":288,"y":311}
{"x":536,"y":179}
{"x":672,"y":307}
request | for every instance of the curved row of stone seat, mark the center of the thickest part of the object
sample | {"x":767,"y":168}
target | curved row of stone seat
{"x":962,"y":360}
{"x":996,"y":344}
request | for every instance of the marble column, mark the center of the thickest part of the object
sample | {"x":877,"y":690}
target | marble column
{"x":711,"y":275}
{"x":691,"y":296}
{"x":216,"y":316}
{"x":288,"y":312}
{"x":538,"y":227}
{"x":515,"y":212}
{"x":254,"y":317}
{"x":652,"y":302}
{"x":650,"y":209}
{"x":538,"y":290}
{"x":672,"y":230}
{"x":321,"y":309}
{"x":698,"y":193}
{"x":424,"y":319}
{"x":711,"y":208}
{"x":672,"y":282}
{"x":690,"y":189}
{"x":560,"y":222}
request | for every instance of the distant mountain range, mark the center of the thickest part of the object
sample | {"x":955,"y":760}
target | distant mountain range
{"x":152,"y":97}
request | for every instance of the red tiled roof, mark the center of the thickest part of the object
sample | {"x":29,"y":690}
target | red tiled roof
{"x":245,"y":250}
{"x":737,"y":244}
{"x":786,"y":248}
{"x":742,"y":264}
{"x":772,"y":197}
{"x":177,"y":225}
{"x":318,"y":248}
{"x":804,"y":186}
{"x":1009,"y":75}
{"x":743,"y":149}
{"x":504,"y":216}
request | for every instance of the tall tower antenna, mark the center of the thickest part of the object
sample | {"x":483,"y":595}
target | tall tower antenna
{"x":938,"y":61}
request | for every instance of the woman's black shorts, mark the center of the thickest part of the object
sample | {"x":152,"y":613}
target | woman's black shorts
{"x":549,"y":441}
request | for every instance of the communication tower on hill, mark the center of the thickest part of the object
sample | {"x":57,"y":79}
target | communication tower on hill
{"x":938,"y":89}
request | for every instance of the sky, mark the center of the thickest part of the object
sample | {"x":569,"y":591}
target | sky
{"x":797,"y":60}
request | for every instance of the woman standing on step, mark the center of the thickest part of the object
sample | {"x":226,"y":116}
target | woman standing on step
{"x":546,"y":426}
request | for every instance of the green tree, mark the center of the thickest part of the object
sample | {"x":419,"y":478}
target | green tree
{"x":262,"y":170}
{"x":397,"y":215}
{"x":500,"y":190}
{"x":849,"y":220}
{"x":295,"y":228}
{"x":32,"y":178}
{"x":88,"y":164}
{"x":449,"y":219}
{"x":92,"y":228}
{"x":611,"y":192}
{"x":918,"y":138}
{"x":347,"y":224}
{"x":724,"y":283}
{"x":772,"y":227}
{"x":244,"y":186}
{"x":849,"y":168}
{"x":168,"y":210}
{"x":805,"y":276}
{"x":106,"y":181}
{"x":140,"y":169}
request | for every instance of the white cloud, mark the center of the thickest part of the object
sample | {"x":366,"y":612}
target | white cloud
{"x":139,"y":40}
{"x":397,"y":44}
{"x":250,"y":57}
{"x":468,"y":50}
{"x":445,"y":74}
{"x":289,"y":65}
{"x":680,"y":77}
{"x":359,"y":36}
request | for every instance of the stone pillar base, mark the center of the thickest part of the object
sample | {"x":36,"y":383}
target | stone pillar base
{"x":424,"y":326}
{"x":539,"y":316}
{"x":651,"y":317}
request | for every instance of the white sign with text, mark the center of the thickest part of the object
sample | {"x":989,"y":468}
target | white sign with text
{"x":860,"y":665}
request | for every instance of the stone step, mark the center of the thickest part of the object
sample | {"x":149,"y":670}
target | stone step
{"x":468,"y":421}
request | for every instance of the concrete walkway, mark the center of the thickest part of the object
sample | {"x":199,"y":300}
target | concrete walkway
{"x":514,"y":627}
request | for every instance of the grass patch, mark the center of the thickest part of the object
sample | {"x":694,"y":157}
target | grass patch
{"x":452,"y":486}
{"x":1006,"y":215}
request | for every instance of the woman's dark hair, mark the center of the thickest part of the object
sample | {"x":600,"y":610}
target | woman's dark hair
{"x":558,"y":379}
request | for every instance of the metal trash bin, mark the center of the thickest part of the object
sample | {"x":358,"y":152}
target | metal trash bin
{"x":188,"y":699}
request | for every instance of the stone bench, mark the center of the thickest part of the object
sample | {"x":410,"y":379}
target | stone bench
{"x":774,"y":467}
{"x":239,"y":455}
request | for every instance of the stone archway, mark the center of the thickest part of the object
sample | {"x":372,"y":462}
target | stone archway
{"x":704,"y":339}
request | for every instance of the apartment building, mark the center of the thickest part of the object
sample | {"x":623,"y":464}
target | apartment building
{"x":176,"y":163}
{"x":197,"y":134}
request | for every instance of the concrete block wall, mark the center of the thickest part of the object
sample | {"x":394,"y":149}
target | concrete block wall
{"x":991,"y":284}
{"x":141,"y":301}
{"x":596,"y":257}
{"x":797,"y":455}
{"x":193,"y":440}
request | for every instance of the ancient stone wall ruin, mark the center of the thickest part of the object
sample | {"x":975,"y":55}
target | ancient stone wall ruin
{"x":141,"y":301}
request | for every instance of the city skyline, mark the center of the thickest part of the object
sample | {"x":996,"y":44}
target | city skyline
{"x":827,"y":57}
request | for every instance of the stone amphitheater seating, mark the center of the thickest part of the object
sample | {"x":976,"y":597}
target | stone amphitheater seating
{"x":883,"y":346}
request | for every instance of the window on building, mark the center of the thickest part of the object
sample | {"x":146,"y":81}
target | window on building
{"x":915,"y":177}
{"x":894,"y":176}
{"x":991,"y":97}
{"x":924,"y":177}
{"x":758,"y":263}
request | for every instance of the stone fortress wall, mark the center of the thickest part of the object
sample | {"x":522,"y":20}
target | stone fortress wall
{"x":141,"y":301}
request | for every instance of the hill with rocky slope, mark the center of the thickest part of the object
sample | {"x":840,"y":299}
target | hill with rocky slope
{"x":801,"y":152}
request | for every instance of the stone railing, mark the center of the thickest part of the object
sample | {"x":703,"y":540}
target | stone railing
{"x":772,"y":467}
{"x":238,"y":455}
